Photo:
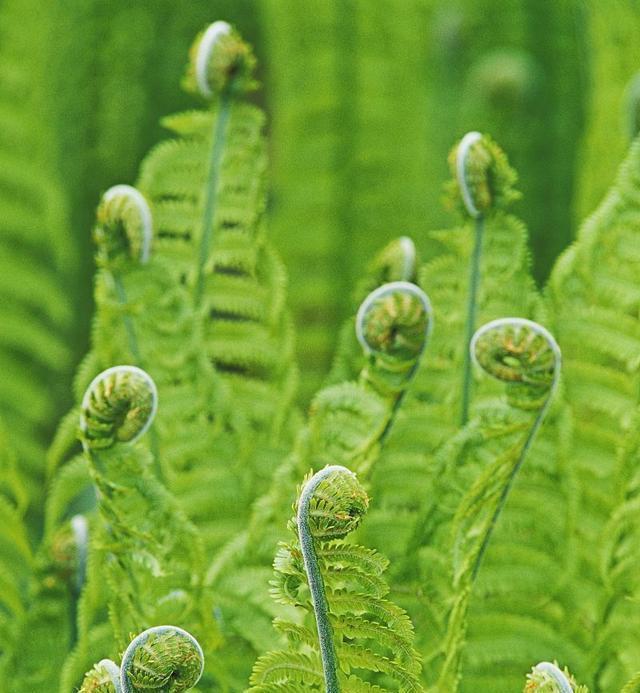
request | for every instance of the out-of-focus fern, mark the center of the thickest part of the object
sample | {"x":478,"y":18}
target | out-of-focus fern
{"x":593,"y":299}
{"x":357,"y":632}
{"x":614,"y":58}
{"x":346,"y":87}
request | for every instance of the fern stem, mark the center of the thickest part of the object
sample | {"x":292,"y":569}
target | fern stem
{"x":472,"y":310}
{"x":316,"y":583}
{"x":215,"y":161}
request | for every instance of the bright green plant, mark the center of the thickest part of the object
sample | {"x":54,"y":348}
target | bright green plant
{"x":502,"y":475}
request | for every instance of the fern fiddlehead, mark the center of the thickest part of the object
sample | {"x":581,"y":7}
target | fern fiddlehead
{"x":167,"y":659}
{"x":546,"y":677}
{"x":347,"y":425}
{"x":118,"y":407}
{"x":342,"y":585}
{"x":477,"y":175}
{"x":525,"y":357}
{"x":155,"y":553}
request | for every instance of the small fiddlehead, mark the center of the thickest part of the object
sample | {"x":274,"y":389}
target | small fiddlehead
{"x":118,"y":407}
{"x":526,"y":358}
{"x":166,"y":659}
{"x":220,"y":61}
{"x":124,"y":224}
{"x":221,"y":68}
{"x":103,"y":678}
{"x":393,"y":325}
{"x":549,"y":678}
{"x":483,"y":182}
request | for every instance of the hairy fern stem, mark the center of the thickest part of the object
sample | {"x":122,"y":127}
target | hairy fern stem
{"x":316,"y":583}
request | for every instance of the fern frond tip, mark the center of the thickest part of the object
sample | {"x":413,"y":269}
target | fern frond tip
{"x":118,"y":406}
{"x":124,"y":210}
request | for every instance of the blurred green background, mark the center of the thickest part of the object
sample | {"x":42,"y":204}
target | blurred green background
{"x":364,"y":99}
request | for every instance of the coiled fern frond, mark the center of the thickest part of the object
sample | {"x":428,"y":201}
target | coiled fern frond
{"x":162,"y":658}
{"x":358,"y":633}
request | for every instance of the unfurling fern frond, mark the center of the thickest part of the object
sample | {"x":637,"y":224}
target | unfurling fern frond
{"x":154,"y":555}
{"x":474,"y":475}
{"x":396,"y":262}
{"x":163,"y":658}
{"x":360,"y":641}
{"x":548,"y":678}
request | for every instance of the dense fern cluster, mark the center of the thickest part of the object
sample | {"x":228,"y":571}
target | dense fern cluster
{"x":487,"y":429}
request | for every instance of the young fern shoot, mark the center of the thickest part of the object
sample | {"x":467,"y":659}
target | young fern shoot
{"x":341,"y":585}
{"x":163,"y":658}
{"x":154,"y":555}
{"x":526,"y":357}
{"x":546,"y":677}
{"x":480,"y":175}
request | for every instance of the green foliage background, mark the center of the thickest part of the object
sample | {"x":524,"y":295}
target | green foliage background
{"x":364,"y":100}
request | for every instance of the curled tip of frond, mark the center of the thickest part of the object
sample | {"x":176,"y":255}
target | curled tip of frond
{"x":162,"y":658}
{"x":397,"y":261}
{"x":125,"y":224}
{"x":118,"y":406}
{"x":516,"y":350}
{"x":103,"y":678}
{"x":220,"y":60}
{"x":483,"y":178}
{"x":395,"y":321}
{"x":549,"y":678}
{"x":332,"y":504}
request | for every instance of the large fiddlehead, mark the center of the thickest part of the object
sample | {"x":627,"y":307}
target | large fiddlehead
{"x":358,"y":633}
{"x":166,"y":659}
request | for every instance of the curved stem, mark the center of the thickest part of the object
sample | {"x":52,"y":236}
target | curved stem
{"x":470,"y":325}
{"x":215,"y":161}
{"x":508,"y":485}
{"x":316,"y":583}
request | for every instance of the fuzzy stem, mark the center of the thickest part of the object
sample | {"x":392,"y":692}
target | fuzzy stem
{"x":316,"y":583}
{"x":472,"y":310}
